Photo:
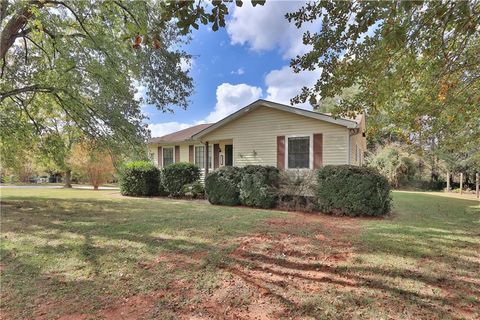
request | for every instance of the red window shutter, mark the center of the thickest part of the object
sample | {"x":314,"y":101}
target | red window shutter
{"x":216,"y":156}
{"x":281,"y":152}
{"x":159,"y":156}
{"x":177,"y":154}
{"x":190,"y":154}
{"x":317,"y":150}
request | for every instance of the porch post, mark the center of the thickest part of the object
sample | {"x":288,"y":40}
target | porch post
{"x":206,"y":158}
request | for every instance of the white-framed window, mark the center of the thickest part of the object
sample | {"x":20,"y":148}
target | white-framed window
{"x":199,"y":157}
{"x":168,"y":155}
{"x":299,"y":152}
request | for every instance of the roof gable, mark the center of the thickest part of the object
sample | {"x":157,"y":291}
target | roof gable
{"x":263,"y":103}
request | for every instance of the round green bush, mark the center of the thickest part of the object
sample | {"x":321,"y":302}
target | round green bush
{"x":221,"y":186}
{"x":161,"y":187}
{"x":258,"y":186}
{"x":352,"y":191}
{"x":176,"y":175}
{"x":139,"y":178}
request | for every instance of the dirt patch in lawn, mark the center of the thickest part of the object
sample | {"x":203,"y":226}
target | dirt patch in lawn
{"x":231,"y":298}
{"x":296,"y":256}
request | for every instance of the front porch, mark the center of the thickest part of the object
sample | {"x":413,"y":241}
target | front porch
{"x":213,"y":154}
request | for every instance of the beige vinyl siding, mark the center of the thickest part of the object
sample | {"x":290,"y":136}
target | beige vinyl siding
{"x":153,"y":153}
{"x":255,"y":136}
{"x":360,"y":142}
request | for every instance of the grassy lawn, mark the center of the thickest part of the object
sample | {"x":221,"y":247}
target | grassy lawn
{"x":87,"y":254}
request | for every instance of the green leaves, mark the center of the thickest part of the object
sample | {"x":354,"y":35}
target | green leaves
{"x":416,"y":67}
{"x":71,"y":59}
{"x":82,"y":61}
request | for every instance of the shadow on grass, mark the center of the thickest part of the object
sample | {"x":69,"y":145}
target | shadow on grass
{"x":425,"y":260}
{"x":90,"y":250}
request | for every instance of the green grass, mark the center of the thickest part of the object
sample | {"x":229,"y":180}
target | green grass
{"x":80,"y":251}
{"x":425,"y":257}
{"x":59,"y":244}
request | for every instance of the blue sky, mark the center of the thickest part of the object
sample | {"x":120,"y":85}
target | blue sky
{"x":247,"y":60}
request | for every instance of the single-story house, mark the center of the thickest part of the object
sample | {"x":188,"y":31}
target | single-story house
{"x":266,"y":133}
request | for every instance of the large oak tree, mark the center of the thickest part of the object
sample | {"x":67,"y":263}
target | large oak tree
{"x":416,"y":65}
{"x":81,"y":61}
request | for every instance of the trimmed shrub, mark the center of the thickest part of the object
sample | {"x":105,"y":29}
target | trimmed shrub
{"x":176,"y":175}
{"x":139,"y":178}
{"x":161,"y":187}
{"x":352,"y":191}
{"x":195,"y":190}
{"x":221,"y":186}
{"x":258,"y":186}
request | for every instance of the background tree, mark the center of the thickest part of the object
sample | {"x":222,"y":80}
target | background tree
{"x":92,"y":162}
{"x":56,"y":147}
{"x":393,"y":162}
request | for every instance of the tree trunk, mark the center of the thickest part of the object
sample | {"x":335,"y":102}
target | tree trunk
{"x":477,"y":184}
{"x":448,"y":181}
{"x":68,"y":175}
{"x":13,"y":27}
{"x":461,"y":182}
{"x":95,"y":187}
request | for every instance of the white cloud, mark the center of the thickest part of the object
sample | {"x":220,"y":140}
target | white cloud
{"x":239,"y":71}
{"x":265,"y":27}
{"x":161,"y":129}
{"x":231,"y":98}
{"x":283,"y":84}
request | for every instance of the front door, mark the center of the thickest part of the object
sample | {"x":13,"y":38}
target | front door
{"x":228,"y":155}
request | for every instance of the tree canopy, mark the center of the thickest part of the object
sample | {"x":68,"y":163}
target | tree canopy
{"x":76,"y":66}
{"x":76,"y":58}
{"x":86,"y":59}
{"x":416,"y":64}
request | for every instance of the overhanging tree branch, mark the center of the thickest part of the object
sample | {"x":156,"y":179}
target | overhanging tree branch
{"x":33,"y":88}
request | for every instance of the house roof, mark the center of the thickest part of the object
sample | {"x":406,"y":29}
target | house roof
{"x":198,"y":131}
{"x":181,"y":135}
{"x":349,"y":123}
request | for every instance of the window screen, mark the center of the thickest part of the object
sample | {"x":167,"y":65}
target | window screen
{"x":200,"y":157}
{"x":167,"y":156}
{"x":299,"y":152}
